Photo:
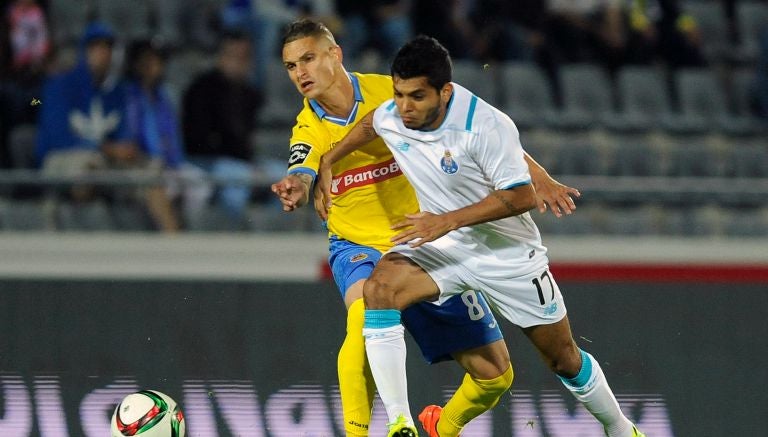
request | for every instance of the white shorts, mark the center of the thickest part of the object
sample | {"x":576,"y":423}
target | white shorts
{"x":525,"y":299}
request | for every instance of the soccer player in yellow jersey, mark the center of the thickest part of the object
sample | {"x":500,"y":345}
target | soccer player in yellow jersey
{"x":370,"y":194}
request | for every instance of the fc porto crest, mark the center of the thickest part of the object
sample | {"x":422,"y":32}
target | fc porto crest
{"x":448,"y":164}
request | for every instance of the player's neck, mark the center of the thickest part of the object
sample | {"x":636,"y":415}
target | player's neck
{"x":339,"y":99}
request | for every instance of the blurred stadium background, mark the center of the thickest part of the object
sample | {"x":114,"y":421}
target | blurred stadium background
{"x":664,"y":264}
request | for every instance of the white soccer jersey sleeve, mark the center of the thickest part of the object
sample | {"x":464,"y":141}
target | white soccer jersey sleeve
{"x":499,"y":153}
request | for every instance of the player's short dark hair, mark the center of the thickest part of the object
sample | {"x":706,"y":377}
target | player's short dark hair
{"x":423,"y":56}
{"x":305,"y":28}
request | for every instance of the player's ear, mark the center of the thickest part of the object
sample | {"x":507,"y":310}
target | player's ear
{"x":338,"y":53}
{"x":446,"y":91}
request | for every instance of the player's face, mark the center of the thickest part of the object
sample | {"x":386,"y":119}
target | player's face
{"x":312,"y":64}
{"x":421,"y":106}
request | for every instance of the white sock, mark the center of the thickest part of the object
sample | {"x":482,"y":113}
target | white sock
{"x":386,"y":355}
{"x":591,"y":389}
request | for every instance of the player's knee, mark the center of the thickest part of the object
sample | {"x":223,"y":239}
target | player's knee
{"x":379,"y":294}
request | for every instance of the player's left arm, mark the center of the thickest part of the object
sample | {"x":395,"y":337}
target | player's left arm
{"x":362,"y":133}
{"x":549,"y":192}
{"x":499,"y":204}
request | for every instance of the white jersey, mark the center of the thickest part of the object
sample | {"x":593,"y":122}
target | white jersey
{"x":476,"y":150}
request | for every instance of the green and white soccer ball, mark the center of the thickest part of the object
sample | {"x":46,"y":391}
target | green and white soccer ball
{"x":148,"y":413}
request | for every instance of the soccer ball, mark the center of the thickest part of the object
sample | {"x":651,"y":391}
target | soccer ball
{"x":148,"y":413}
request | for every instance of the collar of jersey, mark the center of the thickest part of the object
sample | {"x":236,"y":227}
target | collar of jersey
{"x":352,"y":114}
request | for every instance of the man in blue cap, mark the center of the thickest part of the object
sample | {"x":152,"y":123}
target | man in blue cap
{"x":82,"y":112}
{"x":83,"y":126}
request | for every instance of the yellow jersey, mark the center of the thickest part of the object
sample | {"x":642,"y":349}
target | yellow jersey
{"x":368,"y":190}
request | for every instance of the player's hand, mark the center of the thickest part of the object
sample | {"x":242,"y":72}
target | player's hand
{"x":322,"y":190}
{"x":421,"y":228}
{"x":555,"y":196}
{"x":291,"y":191}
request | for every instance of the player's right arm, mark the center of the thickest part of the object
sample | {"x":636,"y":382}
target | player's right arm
{"x":309,"y":140}
{"x":293,"y":190}
{"x":361,"y":134}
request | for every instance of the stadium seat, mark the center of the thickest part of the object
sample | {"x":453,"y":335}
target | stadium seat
{"x":167,"y":16}
{"x":637,"y":158}
{"x":694,"y":159}
{"x":527,"y":95}
{"x":24,"y":215}
{"x":129,"y":19}
{"x":283,"y":99}
{"x":273,"y":142}
{"x":741,"y":94}
{"x":748,"y":160}
{"x":587,"y":97}
{"x":693,"y":220}
{"x":710,"y":17}
{"x":588,"y":220}
{"x":752,"y":19}
{"x":68,"y":20}
{"x":366,"y":64}
{"x":745,"y":222}
{"x":22,"y":142}
{"x":479,"y":78}
{"x":702,"y":103}
{"x":643,"y":96}
{"x":581,"y":157}
{"x":84,"y":216}
{"x":129,"y":215}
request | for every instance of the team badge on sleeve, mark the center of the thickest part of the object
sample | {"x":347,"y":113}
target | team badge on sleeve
{"x":298,"y":153}
{"x":447,"y":163}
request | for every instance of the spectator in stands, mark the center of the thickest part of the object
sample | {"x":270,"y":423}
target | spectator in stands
{"x":82,"y":115}
{"x":381,"y":25}
{"x":263,"y":20}
{"x":446,"y":21}
{"x":219,"y":118}
{"x":660,"y":30}
{"x":587,"y":31}
{"x":30,"y":40}
{"x":26,"y":47}
{"x":507,"y":30}
{"x":154,"y":127}
{"x":83,"y":124}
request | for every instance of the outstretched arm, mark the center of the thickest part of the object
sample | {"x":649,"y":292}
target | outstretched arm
{"x":549,"y":192}
{"x":426,"y":226}
{"x":293,"y":190}
{"x":361,"y":134}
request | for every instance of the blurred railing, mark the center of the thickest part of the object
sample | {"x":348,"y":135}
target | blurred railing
{"x":613,"y":205}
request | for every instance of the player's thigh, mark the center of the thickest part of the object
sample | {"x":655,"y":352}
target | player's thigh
{"x":398,"y":282}
{"x":351,"y":264}
{"x":485,"y":362}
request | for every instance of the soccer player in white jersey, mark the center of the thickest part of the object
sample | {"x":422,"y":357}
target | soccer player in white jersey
{"x":465,"y":162}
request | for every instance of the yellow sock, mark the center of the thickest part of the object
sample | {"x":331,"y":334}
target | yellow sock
{"x":473,"y":398}
{"x":355,"y":380}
